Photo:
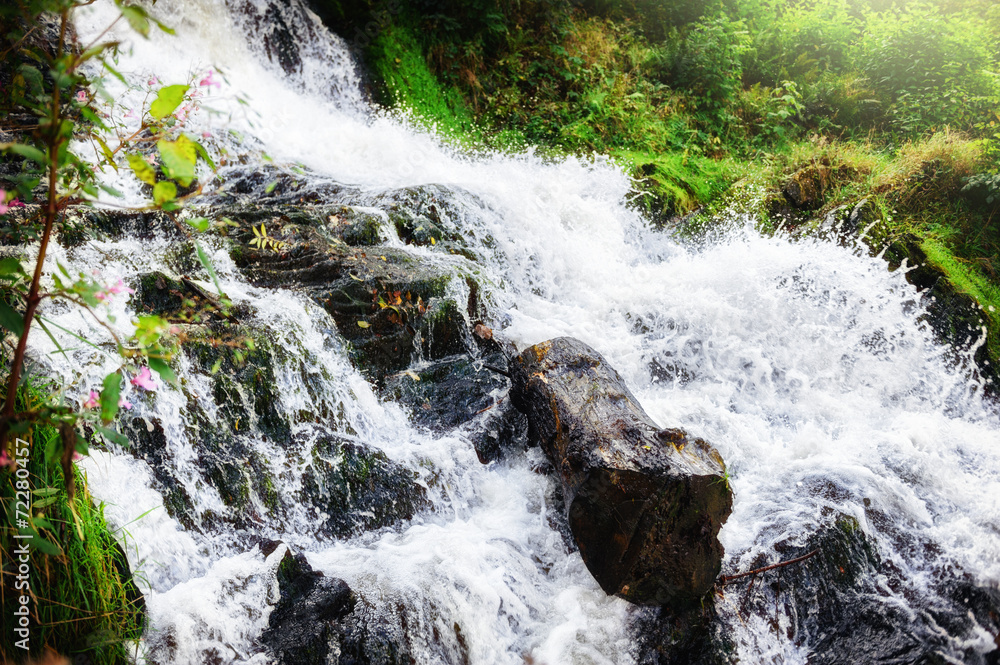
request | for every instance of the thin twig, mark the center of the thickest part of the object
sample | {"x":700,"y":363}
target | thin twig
{"x":726,"y":579}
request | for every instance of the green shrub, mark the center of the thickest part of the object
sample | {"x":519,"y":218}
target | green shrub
{"x":798,"y":41}
{"x":930,"y":68}
{"x":704,"y":61}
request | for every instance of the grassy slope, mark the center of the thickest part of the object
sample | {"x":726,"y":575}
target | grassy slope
{"x":80,"y":603}
{"x":578,"y":84}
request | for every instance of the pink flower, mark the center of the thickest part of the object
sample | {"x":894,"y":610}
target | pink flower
{"x":3,"y":202}
{"x":124,"y":404}
{"x":153,"y":80}
{"x":77,"y":456}
{"x":120,"y":287}
{"x":144,"y":380}
{"x":5,"y":461}
{"x":101,"y":295}
{"x":131,"y":114}
{"x":93,"y":401}
{"x":206,"y":135}
{"x":209,"y":80}
{"x":14,"y":203}
{"x":81,"y":96}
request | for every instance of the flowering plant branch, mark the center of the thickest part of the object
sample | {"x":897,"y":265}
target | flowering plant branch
{"x":62,"y":99}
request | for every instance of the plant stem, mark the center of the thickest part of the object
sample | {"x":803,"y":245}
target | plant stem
{"x":51,"y":209}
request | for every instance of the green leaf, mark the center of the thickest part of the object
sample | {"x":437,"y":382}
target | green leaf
{"x":160,"y":366}
{"x":204,"y":154}
{"x":33,"y":77}
{"x":178,"y":159}
{"x":10,"y":319}
{"x":45,"y":546}
{"x":112,"y":191}
{"x":41,"y":522}
{"x":143,"y":171}
{"x":28,"y":151}
{"x":11,"y":266}
{"x":42,"y":503}
{"x":200,"y":224}
{"x":163,"y":192}
{"x":114,"y":436}
{"x":165,"y":28}
{"x":114,"y":72}
{"x":207,"y":264}
{"x":167,"y":100}
{"x":137,"y":18}
{"x":89,"y":114}
{"x":45,"y":491}
{"x":109,"y":396}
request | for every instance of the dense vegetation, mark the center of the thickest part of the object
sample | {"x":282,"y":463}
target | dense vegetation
{"x":713,"y":102}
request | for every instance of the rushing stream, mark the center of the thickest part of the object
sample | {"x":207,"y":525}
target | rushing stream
{"x":803,"y":362}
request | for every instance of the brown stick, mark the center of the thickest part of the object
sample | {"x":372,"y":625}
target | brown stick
{"x":726,"y":579}
{"x":33,"y":298}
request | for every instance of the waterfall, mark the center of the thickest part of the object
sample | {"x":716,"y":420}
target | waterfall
{"x":805,"y":363}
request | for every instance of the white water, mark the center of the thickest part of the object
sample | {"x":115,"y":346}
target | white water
{"x":803,"y":363}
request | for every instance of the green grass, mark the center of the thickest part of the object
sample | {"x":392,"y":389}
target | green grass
{"x":397,"y":60}
{"x":80,"y":603}
{"x":677,"y":183}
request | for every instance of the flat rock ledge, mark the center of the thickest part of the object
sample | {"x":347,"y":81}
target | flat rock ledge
{"x":644,"y":504}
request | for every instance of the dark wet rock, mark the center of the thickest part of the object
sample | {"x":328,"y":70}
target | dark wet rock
{"x":502,"y":431}
{"x":304,"y":625}
{"x":645,"y":504}
{"x":424,"y":216}
{"x":350,"y":488}
{"x":160,"y":294}
{"x":839,"y":605}
{"x":240,"y":362}
{"x":449,"y":392}
{"x":693,"y":637}
{"x":149,"y":443}
{"x":319,"y":620}
{"x":389,"y":305}
{"x":271,"y":185}
{"x":359,"y":227}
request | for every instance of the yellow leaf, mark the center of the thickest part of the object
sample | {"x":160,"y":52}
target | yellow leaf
{"x":412,"y":375}
{"x":363,"y":324}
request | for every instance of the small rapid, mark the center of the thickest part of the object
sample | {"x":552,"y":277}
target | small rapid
{"x":805,"y":363}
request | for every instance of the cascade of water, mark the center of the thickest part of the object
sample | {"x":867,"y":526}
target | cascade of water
{"x":803,"y":362}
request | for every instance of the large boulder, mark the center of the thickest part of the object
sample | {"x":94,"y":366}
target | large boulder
{"x":645,"y":504}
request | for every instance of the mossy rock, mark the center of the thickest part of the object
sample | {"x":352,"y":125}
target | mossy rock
{"x":955,"y":317}
{"x":241,"y":363}
{"x":359,"y":227}
{"x":806,"y":188}
{"x":160,"y":294}
{"x":351,"y":488}
{"x":378,"y":297}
